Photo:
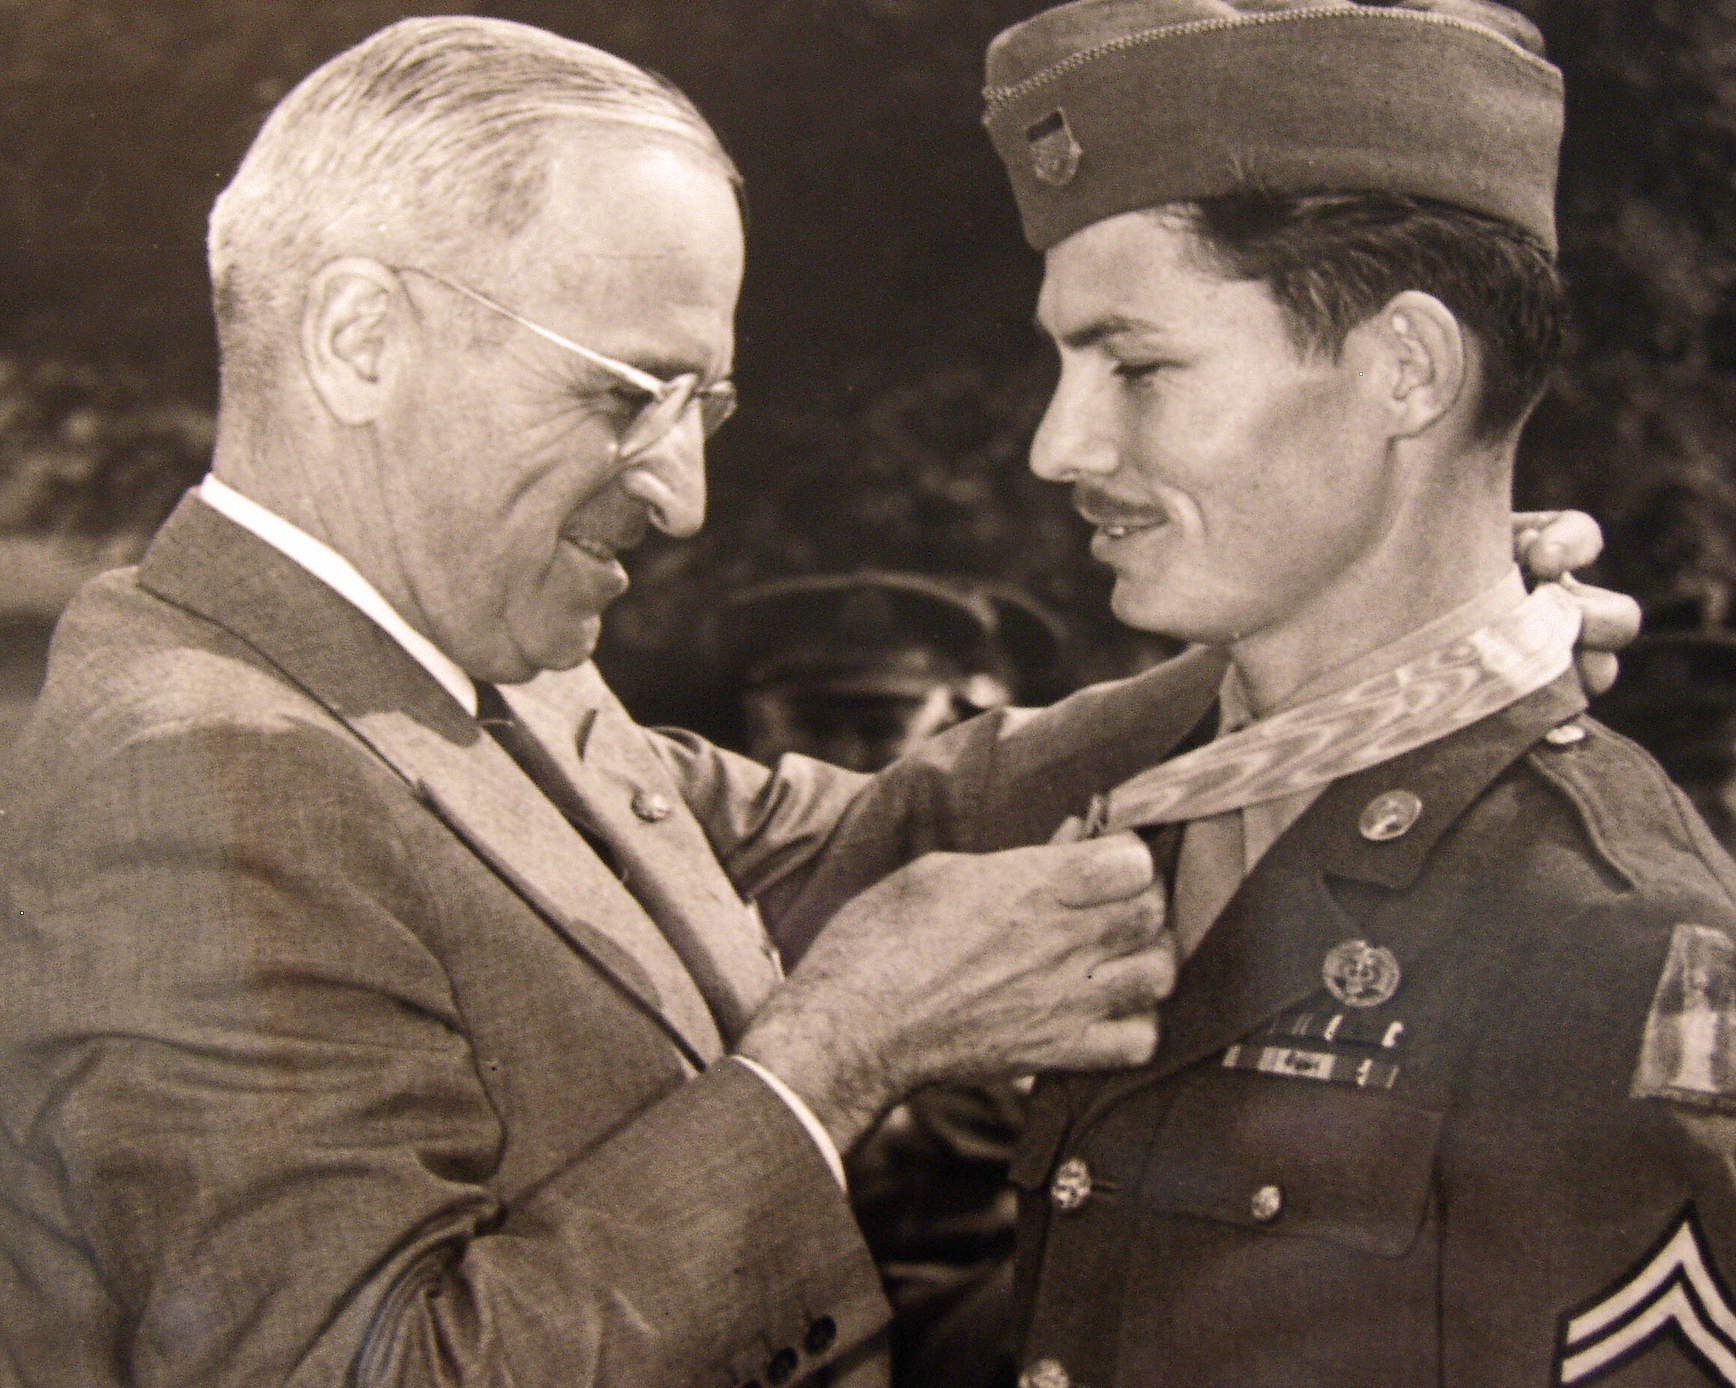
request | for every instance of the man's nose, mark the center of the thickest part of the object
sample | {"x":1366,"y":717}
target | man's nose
{"x":669,"y":478}
{"x":1078,"y":435}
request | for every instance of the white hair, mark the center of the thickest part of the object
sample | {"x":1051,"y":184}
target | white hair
{"x":425,"y":138}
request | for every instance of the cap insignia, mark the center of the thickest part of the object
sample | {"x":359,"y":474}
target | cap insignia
{"x":1054,"y":151}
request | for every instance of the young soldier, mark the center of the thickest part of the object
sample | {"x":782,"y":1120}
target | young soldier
{"x":1443,"y":1093}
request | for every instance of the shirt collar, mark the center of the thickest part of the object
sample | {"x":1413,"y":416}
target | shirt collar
{"x":337,"y":573}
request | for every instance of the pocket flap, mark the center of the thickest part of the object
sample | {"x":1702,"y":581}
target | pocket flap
{"x":1352,"y":1166}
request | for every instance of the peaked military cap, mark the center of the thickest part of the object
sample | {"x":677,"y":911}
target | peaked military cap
{"x":1100,"y":107}
{"x":883,"y":633}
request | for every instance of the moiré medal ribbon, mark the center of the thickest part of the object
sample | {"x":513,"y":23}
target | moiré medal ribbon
{"x":1371,"y":722}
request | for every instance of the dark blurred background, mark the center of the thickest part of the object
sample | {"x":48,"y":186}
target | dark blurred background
{"x":889,"y":373}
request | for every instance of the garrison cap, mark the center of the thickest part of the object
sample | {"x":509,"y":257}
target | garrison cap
{"x":1100,"y":107}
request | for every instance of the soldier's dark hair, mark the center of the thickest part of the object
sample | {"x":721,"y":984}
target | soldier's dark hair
{"x":1332,"y":260}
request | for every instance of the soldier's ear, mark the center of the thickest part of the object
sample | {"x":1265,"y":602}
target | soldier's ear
{"x":353,"y":336}
{"x":1423,"y":361}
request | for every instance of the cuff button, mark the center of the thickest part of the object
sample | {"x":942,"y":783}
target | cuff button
{"x":821,"y":1336}
{"x":782,"y":1368}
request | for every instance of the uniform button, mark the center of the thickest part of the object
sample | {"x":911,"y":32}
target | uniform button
{"x":1045,"y":1373}
{"x":782,"y":1368}
{"x":821,"y":1336}
{"x":1071,"y":1187}
{"x":1267,"y":1204}
{"x":1566,"y":735}
{"x":650,"y":806}
{"x":1389,"y":816}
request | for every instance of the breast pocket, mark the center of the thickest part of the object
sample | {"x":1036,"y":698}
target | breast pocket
{"x":1353,"y":1167}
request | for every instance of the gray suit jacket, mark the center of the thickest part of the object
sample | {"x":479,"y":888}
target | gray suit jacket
{"x":333,"y":1053}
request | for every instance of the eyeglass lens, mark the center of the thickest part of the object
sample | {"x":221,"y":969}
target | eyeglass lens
{"x":661,"y":415}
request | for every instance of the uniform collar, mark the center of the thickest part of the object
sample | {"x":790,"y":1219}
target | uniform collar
{"x":1264,"y":952}
{"x":1264,"y":823}
{"x":1446,"y":776}
{"x":1492,"y":604}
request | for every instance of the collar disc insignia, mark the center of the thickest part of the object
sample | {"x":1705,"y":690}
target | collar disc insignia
{"x":1390,"y":816}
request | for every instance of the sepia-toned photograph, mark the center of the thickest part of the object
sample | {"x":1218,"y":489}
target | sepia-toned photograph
{"x":868,"y":694}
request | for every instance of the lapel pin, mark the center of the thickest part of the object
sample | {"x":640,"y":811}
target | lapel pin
{"x":1390,"y":816}
{"x":650,"y":806}
{"x":1359,"y":974}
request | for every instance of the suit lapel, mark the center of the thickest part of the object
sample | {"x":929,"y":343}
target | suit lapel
{"x":486,"y":800}
{"x":323,"y":644}
{"x":669,"y":864}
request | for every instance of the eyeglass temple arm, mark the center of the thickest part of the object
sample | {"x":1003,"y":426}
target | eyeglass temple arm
{"x":632,"y":375}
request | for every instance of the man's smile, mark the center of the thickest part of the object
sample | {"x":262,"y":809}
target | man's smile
{"x":606,"y":542}
{"x":1116,"y":519}
{"x":601,"y":551}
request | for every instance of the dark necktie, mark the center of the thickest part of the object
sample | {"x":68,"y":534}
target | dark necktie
{"x":730,"y":991}
{"x":495,"y":715}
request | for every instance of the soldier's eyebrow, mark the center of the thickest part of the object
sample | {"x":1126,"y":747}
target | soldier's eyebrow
{"x":1092,"y":333}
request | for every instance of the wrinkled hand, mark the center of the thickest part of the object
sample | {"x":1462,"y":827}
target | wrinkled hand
{"x":963,"y":967}
{"x":1549,"y":544}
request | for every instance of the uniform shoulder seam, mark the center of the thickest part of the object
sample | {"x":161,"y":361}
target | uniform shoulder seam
{"x":1660,"y":793}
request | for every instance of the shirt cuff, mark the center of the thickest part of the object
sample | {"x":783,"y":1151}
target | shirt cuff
{"x":804,"y":1115}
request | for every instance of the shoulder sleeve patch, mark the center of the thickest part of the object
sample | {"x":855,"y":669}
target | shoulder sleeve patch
{"x":1689,"y":1051}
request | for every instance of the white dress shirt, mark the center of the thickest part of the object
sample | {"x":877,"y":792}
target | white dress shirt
{"x":338,"y":574}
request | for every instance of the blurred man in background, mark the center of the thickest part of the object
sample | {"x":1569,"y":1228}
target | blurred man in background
{"x":857,"y":669}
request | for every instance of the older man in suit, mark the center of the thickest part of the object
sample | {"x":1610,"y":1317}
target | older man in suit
{"x":368,"y":1022}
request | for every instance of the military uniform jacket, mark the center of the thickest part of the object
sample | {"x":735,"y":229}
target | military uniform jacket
{"x":1514,"y":1170}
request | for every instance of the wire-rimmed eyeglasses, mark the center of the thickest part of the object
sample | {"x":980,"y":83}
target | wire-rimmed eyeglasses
{"x":668,"y":400}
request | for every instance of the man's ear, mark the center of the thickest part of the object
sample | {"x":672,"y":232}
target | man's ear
{"x":353,"y":336}
{"x":1426,"y":358}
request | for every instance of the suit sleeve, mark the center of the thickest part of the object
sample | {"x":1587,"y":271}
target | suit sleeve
{"x":803,"y":838}
{"x":274,"y":1144}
